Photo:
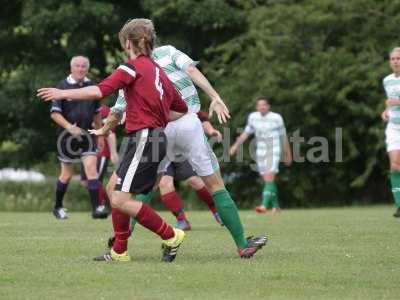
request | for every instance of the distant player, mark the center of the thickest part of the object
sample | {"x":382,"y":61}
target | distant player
{"x":391,"y":84}
{"x":74,"y":118}
{"x":151,"y":102}
{"x":272,"y":142}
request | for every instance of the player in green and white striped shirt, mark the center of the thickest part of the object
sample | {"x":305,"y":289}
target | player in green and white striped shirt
{"x":271,"y":140}
{"x":175,"y":64}
{"x":391,"y":84}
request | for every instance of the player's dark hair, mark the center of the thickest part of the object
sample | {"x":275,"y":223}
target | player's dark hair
{"x":262,"y":98}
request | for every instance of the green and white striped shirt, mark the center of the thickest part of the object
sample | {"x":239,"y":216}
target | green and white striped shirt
{"x":391,"y":84}
{"x":268,"y":129}
{"x":174,"y":63}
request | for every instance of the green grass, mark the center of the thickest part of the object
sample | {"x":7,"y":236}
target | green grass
{"x":348,"y":253}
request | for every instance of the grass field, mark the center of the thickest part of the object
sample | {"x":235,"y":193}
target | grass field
{"x":347,"y":253}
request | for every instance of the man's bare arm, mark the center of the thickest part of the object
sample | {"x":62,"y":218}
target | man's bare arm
{"x":217,"y":105}
{"x":238,"y":141}
{"x":202,"y":82}
{"x":62,"y":122}
{"x":174,"y":115}
{"x":86,"y":93}
{"x":287,"y":159}
{"x":384,"y":115}
{"x":392,"y":102}
{"x":211,"y":131}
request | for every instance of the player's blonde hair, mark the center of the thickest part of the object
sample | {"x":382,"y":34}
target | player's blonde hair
{"x":141,"y":33}
{"x":395,"y":49}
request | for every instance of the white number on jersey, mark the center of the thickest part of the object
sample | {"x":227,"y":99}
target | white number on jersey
{"x":158,"y":83}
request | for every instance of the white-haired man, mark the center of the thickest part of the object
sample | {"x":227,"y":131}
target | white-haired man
{"x":74,"y":143}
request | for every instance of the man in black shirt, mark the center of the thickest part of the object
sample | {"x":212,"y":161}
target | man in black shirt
{"x":74,"y":143}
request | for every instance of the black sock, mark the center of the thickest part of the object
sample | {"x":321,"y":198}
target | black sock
{"x":93,"y":187}
{"x":61,"y":187}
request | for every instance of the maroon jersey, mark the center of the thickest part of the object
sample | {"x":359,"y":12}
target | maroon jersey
{"x":149,"y":94}
{"x":105,"y":150}
{"x":104,"y":111}
{"x":203,"y":116}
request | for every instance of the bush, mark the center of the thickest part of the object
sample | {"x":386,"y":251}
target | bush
{"x":40,"y":196}
{"x":17,"y":196}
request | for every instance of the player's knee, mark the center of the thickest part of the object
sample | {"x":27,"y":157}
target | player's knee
{"x":114,"y":201}
{"x":269,"y":176}
{"x":195,"y":182}
{"x":91,"y":172}
{"x":394,"y":166}
{"x":65,"y":177}
{"x":213,"y":183}
{"x":109,"y":190}
{"x":166,"y":185}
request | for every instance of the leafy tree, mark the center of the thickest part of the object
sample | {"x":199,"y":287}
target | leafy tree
{"x":40,"y":38}
{"x":321,"y":64}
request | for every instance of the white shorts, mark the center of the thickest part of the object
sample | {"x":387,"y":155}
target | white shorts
{"x":186,"y":140}
{"x":269,"y":161}
{"x":392,"y":139}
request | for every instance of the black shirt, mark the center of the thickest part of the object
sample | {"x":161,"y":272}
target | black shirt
{"x":79,"y":112}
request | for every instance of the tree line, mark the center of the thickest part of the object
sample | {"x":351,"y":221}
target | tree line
{"x":320,"y":62}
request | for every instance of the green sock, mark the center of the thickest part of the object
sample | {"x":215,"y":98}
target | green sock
{"x":268,"y":193}
{"x":145,"y":198}
{"x":275,"y":198}
{"x":395,"y":181}
{"x":228,"y":212}
{"x":275,"y":201}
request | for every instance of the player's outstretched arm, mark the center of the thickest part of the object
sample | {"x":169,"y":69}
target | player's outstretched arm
{"x":384,"y":116}
{"x":60,"y":120}
{"x":217,"y":105}
{"x":392,"y":102}
{"x":178,"y":107}
{"x":287,"y":159}
{"x":174,"y":115}
{"x":112,"y":121}
{"x":211,"y":131}
{"x":244,"y":135}
{"x":85,"y":93}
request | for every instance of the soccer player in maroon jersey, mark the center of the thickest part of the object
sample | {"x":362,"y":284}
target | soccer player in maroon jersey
{"x":186,"y":139}
{"x":151,"y":102}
